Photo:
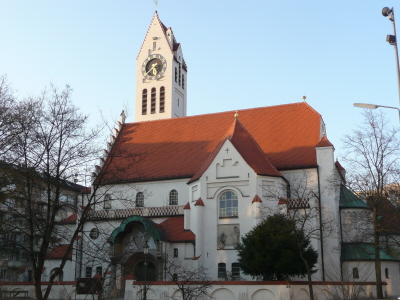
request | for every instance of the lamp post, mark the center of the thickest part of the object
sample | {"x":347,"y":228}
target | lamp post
{"x":145,"y":252}
{"x":375,"y":106}
{"x":392,"y":40}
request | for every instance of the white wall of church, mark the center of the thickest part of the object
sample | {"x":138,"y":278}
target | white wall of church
{"x":156,"y":193}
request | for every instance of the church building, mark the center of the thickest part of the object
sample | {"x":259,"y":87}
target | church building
{"x":189,"y":187}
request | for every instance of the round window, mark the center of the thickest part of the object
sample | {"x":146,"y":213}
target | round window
{"x":94,"y":233}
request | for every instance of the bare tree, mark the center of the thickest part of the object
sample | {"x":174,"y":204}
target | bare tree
{"x":7,"y":106}
{"x":192,"y":283}
{"x":49,"y":146}
{"x":372,"y":165}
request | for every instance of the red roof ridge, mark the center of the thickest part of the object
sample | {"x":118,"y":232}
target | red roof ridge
{"x":256,"y":199}
{"x":324,"y":142}
{"x":187,"y":206}
{"x":199,"y":202}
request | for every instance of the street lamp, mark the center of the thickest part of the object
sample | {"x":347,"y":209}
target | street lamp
{"x":392,"y":40}
{"x":375,"y":106}
{"x":145,"y":252}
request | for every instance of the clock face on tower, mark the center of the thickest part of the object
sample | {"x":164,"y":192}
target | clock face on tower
{"x":154,"y":67}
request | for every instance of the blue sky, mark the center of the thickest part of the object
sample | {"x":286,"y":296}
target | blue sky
{"x":240,"y":54}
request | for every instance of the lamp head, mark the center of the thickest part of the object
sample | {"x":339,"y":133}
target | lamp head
{"x":386,"y":12}
{"x":365,"y":105}
{"x":146,"y":248}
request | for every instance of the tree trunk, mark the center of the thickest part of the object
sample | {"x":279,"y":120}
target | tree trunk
{"x":378,"y":272}
{"x":310,"y":285}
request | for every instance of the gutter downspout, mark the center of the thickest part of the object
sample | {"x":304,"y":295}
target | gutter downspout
{"x":320,"y":227}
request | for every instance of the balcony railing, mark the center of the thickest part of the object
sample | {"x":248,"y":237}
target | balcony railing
{"x":162,"y":211}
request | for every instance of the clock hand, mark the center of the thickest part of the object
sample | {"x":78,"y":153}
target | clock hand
{"x":152,"y":67}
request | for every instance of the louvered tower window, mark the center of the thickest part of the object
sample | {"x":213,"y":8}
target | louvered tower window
{"x":153,"y":100}
{"x":162,"y":99}
{"x":144,"y":102}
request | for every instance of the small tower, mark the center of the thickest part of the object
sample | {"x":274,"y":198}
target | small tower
{"x":161,"y":75}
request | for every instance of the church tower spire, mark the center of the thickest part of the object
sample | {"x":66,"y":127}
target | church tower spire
{"x":161,"y":75}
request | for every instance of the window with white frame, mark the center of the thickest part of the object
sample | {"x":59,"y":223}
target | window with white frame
{"x":175,"y":252}
{"x":173,"y":197}
{"x":139,"y":199}
{"x":99,"y":270}
{"x":228,"y":204}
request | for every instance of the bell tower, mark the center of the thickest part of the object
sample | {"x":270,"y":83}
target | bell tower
{"x":161,"y":75}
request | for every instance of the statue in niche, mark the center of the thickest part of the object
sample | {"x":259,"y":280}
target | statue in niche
{"x":236,"y":236}
{"x":222,"y":240}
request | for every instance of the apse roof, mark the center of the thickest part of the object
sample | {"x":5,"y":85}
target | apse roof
{"x":350,"y":200}
{"x":177,"y":148}
{"x":360,"y":251}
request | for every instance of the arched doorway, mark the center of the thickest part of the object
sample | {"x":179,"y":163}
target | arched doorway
{"x":144,"y":273}
{"x":135,"y":265}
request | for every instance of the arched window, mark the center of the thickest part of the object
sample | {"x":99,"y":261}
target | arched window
{"x":183,"y":81}
{"x":153,"y":100}
{"x":139,"y":199}
{"x":175,"y":277}
{"x":228,"y":205}
{"x":144,"y":102}
{"x":162,"y":99}
{"x":107,"y":202}
{"x":387,"y":272}
{"x":235,"y":270}
{"x":60,"y":276}
{"x":175,"y":252}
{"x":355,"y":273}
{"x":173,"y":197}
{"x":222,"y":270}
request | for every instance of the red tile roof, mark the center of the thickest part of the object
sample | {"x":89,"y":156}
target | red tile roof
{"x":187,"y":206}
{"x":256,"y":199}
{"x":178,"y":147}
{"x":59,"y":252}
{"x":173,"y":227}
{"x":199,"y":202}
{"x":70,"y":220}
{"x":248,"y":149}
{"x":339,"y":166}
{"x":324,"y":142}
